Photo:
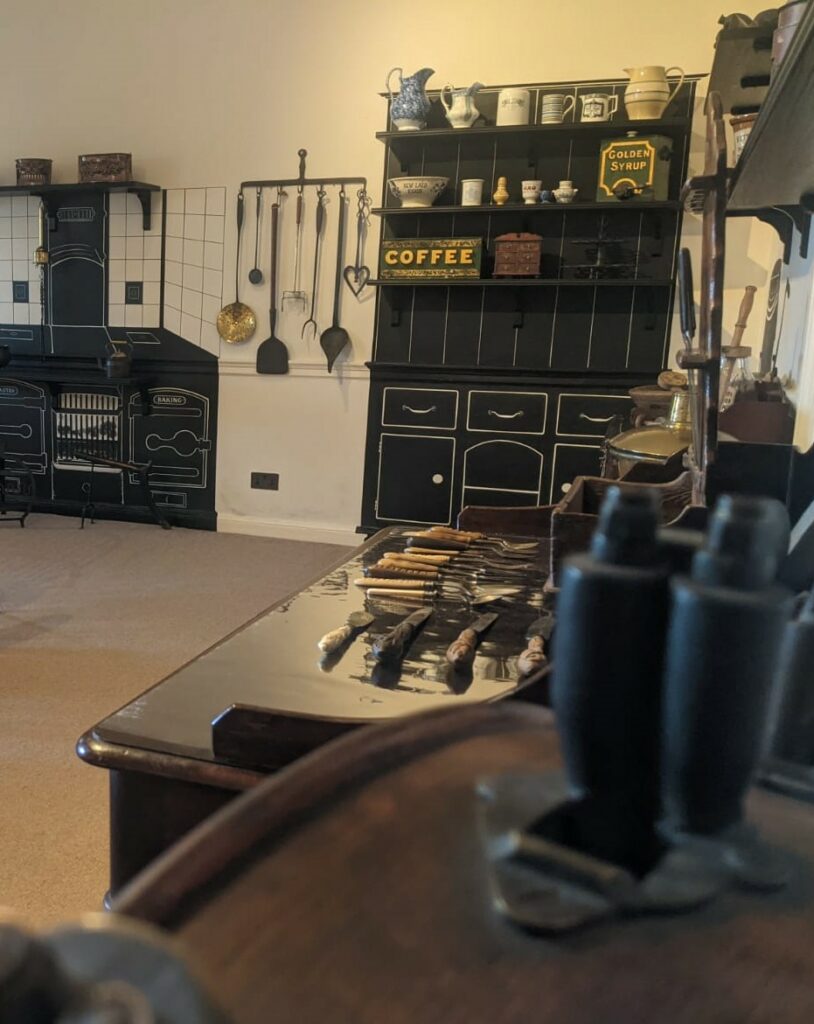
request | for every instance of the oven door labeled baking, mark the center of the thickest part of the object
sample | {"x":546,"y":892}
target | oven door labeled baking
{"x":174,"y":436}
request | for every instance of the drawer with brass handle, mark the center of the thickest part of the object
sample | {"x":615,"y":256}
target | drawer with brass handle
{"x":420,"y":407}
{"x":591,"y":415}
{"x":507,"y":412}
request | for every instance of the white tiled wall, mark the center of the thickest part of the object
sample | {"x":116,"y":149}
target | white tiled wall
{"x":133,"y":255}
{"x":193,"y":269}
{"x":18,"y":240}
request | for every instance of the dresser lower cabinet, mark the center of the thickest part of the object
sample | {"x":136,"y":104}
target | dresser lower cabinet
{"x":434,"y":448}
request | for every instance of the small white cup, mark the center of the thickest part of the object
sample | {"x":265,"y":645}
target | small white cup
{"x":472,"y":192}
{"x":531,"y":191}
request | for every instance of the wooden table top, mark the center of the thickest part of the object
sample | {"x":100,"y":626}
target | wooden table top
{"x":353,"y":887}
{"x":272,"y":662}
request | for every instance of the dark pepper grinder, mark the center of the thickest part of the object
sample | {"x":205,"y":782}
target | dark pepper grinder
{"x":608,"y":658}
{"x":726,"y":626}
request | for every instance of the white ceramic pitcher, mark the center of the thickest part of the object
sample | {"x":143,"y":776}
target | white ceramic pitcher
{"x":648,"y":92}
{"x":460,"y":107}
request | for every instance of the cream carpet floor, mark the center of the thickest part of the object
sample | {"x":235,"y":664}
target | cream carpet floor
{"x":88,"y":619}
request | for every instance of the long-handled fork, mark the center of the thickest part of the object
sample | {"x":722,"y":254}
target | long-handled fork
{"x":448,"y":542}
{"x":320,"y":220}
{"x":457,"y":564}
{"x":410,"y":587}
{"x":483,"y":540}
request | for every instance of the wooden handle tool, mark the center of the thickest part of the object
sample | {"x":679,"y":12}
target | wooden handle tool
{"x":747,"y":302}
{"x":461,"y":652}
{"x":383,"y":581}
{"x":460,"y":534}
{"x":413,"y":556}
{"x":379,"y":572}
{"x":432,"y":540}
{"x":403,"y":563}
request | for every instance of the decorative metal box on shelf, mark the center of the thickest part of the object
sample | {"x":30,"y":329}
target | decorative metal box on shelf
{"x":636,"y":166}
{"x":429,"y":259}
{"x":518,"y":254}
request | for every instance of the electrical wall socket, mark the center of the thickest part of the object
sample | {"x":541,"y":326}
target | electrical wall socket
{"x":266,"y":481}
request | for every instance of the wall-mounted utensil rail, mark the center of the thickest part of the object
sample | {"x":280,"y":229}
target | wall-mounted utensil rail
{"x":301,"y":180}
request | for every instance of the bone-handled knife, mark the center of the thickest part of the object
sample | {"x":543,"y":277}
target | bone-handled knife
{"x":538,"y":636}
{"x":461,"y":652}
{"x":390,"y":646}
{"x":436,"y":543}
{"x":332,"y":641}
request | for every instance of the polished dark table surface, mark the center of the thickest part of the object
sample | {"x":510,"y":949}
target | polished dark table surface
{"x":273,"y":662}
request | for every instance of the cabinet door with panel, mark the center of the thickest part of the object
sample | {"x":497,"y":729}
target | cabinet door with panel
{"x":569,"y":461}
{"x":415,"y":478}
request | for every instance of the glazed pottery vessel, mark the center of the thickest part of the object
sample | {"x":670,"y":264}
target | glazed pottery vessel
{"x":648,"y":93}
{"x":598,"y":106}
{"x":566,"y":193}
{"x":472,"y":192}
{"x":531,"y":191}
{"x":555,"y":107}
{"x":501,"y":193}
{"x":417,"y":192}
{"x":410,"y":106}
{"x":513,"y":106}
{"x":460,"y":107}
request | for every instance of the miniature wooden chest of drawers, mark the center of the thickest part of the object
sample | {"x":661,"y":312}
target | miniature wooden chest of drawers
{"x":518,"y":255}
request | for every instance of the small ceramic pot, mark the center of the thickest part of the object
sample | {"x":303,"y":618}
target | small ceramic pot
{"x":547,"y":196}
{"x":472,"y":192}
{"x":741,"y":130}
{"x":566,"y":193}
{"x":531,"y":191}
{"x":417,"y":192}
{"x":513,"y":106}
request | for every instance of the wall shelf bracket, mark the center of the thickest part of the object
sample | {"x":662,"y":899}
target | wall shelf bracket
{"x":144,"y":196}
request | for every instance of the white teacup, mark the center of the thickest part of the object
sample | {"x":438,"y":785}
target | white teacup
{"x":531,"y":191}
{"x":598,"y":106}
{"x":472,"y":192}
{"x":555,"y":106}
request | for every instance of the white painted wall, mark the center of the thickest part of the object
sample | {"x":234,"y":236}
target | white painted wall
{"x":206,"y":93}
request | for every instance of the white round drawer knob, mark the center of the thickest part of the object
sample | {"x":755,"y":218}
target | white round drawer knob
{"x":565,"y":488}
{"x":437,"y":478}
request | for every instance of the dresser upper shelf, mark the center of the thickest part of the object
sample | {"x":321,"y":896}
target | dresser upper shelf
{"x":668,"y":126}
{"x":628,"y":206}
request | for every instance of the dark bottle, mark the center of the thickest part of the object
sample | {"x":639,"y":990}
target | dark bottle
{"x":607,"y":658}
{"x":726,"y":625}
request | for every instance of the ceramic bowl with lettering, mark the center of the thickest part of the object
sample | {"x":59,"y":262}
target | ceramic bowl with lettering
{"x":415,"y":192}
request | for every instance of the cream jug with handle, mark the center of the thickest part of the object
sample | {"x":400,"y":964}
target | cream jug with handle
{"x":648,"y":93}
{"x":460,"y":107}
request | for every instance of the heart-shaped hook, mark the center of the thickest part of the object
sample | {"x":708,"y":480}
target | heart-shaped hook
{"x":356,"y":278}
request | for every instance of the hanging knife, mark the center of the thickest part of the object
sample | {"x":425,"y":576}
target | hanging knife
{"x":332,"y":641}
{"x":538,"y":636}
{"x":461,"y":652}
{"x":390,"y":646}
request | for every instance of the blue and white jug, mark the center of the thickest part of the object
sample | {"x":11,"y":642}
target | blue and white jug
{"x":409,"y":108}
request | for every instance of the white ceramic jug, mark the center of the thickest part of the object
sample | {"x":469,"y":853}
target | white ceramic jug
{"x":648,"y":92}
{"x":460,"y":107}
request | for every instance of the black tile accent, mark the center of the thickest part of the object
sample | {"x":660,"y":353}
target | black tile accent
{"x":19,"y":291}
{"x":133,"y":292}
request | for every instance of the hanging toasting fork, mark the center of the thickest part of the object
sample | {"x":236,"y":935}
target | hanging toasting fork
{"x":296,"y":296}
{"x":320,"y":220}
